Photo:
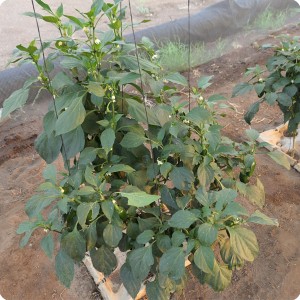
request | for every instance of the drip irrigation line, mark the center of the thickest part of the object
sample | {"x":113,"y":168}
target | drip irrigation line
{"x":140,"y":73}
{"x":49,"y":80}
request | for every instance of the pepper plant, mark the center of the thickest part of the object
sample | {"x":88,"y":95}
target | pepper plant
{"x":160,"y":183}
{"x":277,"y":84}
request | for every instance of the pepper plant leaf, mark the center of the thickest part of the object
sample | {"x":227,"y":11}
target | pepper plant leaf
{"x":47,"y":244}
{"x":139,"y":198}
{"x":219,"y":278}
{"x":104,"y":260}
{"x":73,"y":244}
{"x":16,"y":100}
{"x":260,"y":218}
{"x":207,"y":234}
{"x":204,"y":259}
{"x":107,"y":139}
{"x":172,"y":263}
{"x":112,"y":235}
{"x":131,"y":283}
{"x":48,"y":147}
{"x":140,"y":261}
{"x":182,"y":219}
{"x":243,"y":242}
{"x":72,"y":117}
{"x":64,"y":267}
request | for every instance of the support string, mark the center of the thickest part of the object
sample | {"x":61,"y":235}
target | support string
{"x":122,"y":88}
{"x":140,"y":73}
{"x":189,"y":54}
{"x":49,"y":80}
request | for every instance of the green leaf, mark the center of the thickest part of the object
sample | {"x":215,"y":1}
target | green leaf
{"x":207,"y":234}
{"x":37,"y":203}
{"x":243,"y":242}
{"x":64,"y":267}
{"x":60,"y":11}
{"x":165,"y":169}
{"x":163,"y":243}
{"x":73,"y":142}
{"x":120,"y":168}
{"x":32,"y":14}
{"x":220,"y":278}
{"x":45,"y":6}
{"x":145,"y":237}
{"x":49,"y":173}
{"x":229,"y":257}
{"x":168,"y":198}
{"x":241,"y":89}
{"x":16,"y":100}
{"x":91,"y":236}
{"x":284,"y":99}
{"x":49,"y":122}
{"x":137,"y":111}
{"x":85,"y":191}
{"x":108,"y":209}
{"x":50,"y":19}
{"x":182,"y":219}
{"x":177,"y":78}
{"x":96,"y":89}
{"x":271,"y":98}
{"x":61,"y":80}
{"x":256,"y":193}
{"x":252,"y":134}
{"x":90,"y":177}
{"x":71,"y":118}
{"x":107,"y":139}
{"x":87,"y":156}
{"x":104,"y":260}
{"x":47,"y":244}
{"x":112,"y":235}
{"x":140,"y":261}
{"x":198,"y":115}
{"x":182,"y":178}
{"x":178,"y":238}
{"x":216,"y":98}
{"x":139,"y":199}
{"x":226,"y":195}
{"x":131,"y":283}
{"x":172,"y":263}
{"x":25,"y":238}
{"x":280,"y":158}
{"x":48,"y":147}
{"x":234,"y":209}
{"x":83,"y":210}
{"x":129,"y":78}
{"x":25,"y":226}
{"x":203,"y":82}
{"x":132,"y":140}
{"x":204,"y":259}
{"x":156,"y":292}
{"x":205,"y":174}
{"x":260,"y":218}
{"x":253,"y":109}
{"x":75,"y":20}
{"x":259,"y":87}
{"x":74,"y":245}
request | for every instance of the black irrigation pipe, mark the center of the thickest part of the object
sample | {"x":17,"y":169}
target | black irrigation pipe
{"x":218,"y":20}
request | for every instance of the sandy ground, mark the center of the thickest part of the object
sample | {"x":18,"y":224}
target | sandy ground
{"x":27,"y":274}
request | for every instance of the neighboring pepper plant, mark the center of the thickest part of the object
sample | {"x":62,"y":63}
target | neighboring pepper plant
{"x":278,"y":83}
{"x":160,"y":183}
